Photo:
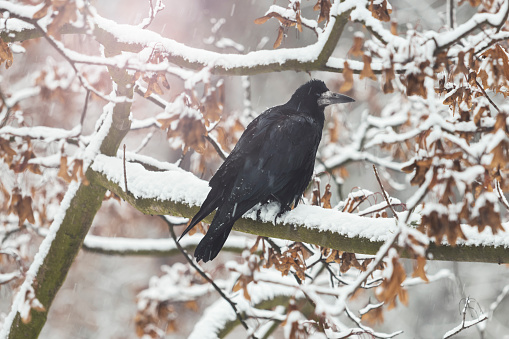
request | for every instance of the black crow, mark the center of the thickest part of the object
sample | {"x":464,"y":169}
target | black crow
{"x":272,"y":161}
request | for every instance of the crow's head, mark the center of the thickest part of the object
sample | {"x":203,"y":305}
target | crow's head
{"x":314,"y":96}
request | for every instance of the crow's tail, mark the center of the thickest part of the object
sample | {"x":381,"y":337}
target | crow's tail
{"x":209,"y":205}
{"x":212,"y":242}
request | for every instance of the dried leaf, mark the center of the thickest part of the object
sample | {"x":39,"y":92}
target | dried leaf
{"x":358,"y":43}
{"x":394,"y":27}
{"x":419,"y":269}
{"x":192,"y":305}
{"x":380,"y":10}
{"x":66,"y":12}
{"x":367,"y":72}
{"x":391,"y":287}
{"x":326,"y":197}
{"x":63,"y":171}
{"x":348,"y":76}
{"x":5,"y":54}
{"x":324,"y":6}
{"x":373,"y":316}
{"x":43,"y":11}
{"x":222,"y":138}
{"x":280,"y":35}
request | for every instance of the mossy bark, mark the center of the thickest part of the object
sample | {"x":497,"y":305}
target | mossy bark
{"x":76,"y":223}
{"x":301,"y":233}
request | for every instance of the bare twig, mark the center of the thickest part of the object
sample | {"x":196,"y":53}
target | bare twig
{"x":83,"y":81}
{"x":153,"y":10}
{"x":451,"y":14}
{"x":7,"y":110}
{"x":501,"y":196}
{"x":465,"y":323}
{"x":125,"y":173}
{"x":384,"y":193}
{"x":367,"y":329}
{"x":486,"y":95}
{"x":144,"y":142}
{"x":216,"y":146}
{"x":87,"y":97}
{"x":204,"y":275}
{"x":84,"y":112}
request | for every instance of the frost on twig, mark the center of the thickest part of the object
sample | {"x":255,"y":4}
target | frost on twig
{"x":465,"y":323}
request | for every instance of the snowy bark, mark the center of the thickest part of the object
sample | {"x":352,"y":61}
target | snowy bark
{"x":57,"y":252}
{"x":309,"y":224}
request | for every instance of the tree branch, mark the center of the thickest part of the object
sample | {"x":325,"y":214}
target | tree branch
{"x":331,"y":229}
{"x":67,"y":232}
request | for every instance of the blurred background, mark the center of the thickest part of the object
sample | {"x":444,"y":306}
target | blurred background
{"x":98,"y":299}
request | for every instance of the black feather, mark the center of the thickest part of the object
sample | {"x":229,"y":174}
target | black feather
{"x":273,"y":160}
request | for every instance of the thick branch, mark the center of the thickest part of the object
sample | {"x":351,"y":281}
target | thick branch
{"x":309,"y":224}
{"x":57,"y":252}
{"x":134,"y":39}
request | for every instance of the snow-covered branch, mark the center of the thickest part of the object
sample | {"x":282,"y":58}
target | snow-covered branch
{"x":183,"y":193}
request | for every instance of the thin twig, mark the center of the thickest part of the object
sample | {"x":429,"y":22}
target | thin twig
{"x":84,"y":112}
{"x":8,"y":109}
{"x":83,"y":81}
{"x":144,"y":142}
{"x":369,"y":330}
{"x":87,"y":97}
{"x":385,"y":194}
{"x":501,"y":196}
{"x":216,"y":146}
{"x":204,"y":275}
{"x":487,"y":96}
{"x":464,"y":323}
{"x":125,"y":173}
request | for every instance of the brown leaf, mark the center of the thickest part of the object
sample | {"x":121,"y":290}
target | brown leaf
{"x":77,"y":172}
{"x":326,"y":197}
{"x":373,"y":316}
{"x":388,"y":76}
{"x":192,"y":305}
{"x":419,"y":269}
{"x":380,"y":11}
{"x":324,"y":6}
{"x":66,"y":12}
{"x":25,"y":211}
{"x":358,"y":43}
{"x":5,"y":54}
{"x":421,"y":167}
{"x":43,"y":11}
{"x":213,"y":103}
{"x":262,"y":20}
{"x":367,"y":72}
{"x":6,"y":148}
{"x":22,"y":207}
{"x":394,"y":27}
{"x":63,"y":171}
{"x":161,"y":77}
{"x":280,"y":35}
{"x":153,"y":87}
{"x":316,"y":197}
{"x":222,"y":138}
{"x":391,"y":287}
{"x":348,"y":75}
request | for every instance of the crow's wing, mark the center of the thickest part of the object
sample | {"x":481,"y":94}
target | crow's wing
{"x":276,"y":150}
{"x":276,"y":153}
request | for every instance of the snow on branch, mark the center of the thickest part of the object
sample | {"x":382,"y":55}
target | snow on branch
{"x":136,"y":39}
{"x":153,"y":247}
{"x":465,"y":323}
{"x":182,"y":194}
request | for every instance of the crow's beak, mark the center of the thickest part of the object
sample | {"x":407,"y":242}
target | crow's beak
{"x":331,"y":98}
